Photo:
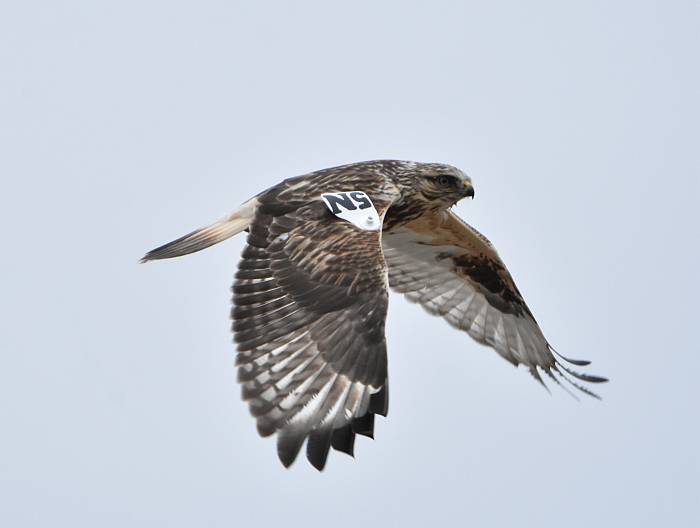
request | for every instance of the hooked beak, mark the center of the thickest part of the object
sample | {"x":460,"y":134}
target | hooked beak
{"x":468,"y":189}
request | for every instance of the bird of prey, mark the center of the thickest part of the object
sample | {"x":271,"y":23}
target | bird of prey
{"x":311,"y":293}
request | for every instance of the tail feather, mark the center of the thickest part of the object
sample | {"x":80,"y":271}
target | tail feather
{"x":206,"y":236}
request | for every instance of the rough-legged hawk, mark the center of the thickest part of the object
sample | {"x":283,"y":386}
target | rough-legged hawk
{"x":311,"y":291}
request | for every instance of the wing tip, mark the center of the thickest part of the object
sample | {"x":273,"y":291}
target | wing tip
{"x":566,"y":373}
{"x":577,"y":362}
{"x":288,"y":447}
{"x":317,"y":447}
{"x":343,"y":440}
{"x":320,"y":442}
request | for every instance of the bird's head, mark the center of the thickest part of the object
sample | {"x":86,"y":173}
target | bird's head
{"x":437,"y":184}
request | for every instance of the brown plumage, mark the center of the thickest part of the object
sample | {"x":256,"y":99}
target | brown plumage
{"x":311,"y":292}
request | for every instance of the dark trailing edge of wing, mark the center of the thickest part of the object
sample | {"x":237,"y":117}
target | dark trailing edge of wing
{"x":565,"y":373}
{"x":342,"y":439}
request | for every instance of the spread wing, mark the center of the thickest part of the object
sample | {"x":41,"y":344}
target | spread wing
{"x":310,"y":301}
{"x":453,"y":271}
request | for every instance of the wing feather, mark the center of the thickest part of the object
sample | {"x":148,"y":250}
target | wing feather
{"x":310,"y":300}
{"x":453,"y":271}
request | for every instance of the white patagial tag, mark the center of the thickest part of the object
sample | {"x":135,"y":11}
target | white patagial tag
{"x":355,"y":207}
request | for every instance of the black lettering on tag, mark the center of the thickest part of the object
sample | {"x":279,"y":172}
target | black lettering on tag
{"x":361,"y":199}
{"x":354,"y":207}
{"x":340,"y":199}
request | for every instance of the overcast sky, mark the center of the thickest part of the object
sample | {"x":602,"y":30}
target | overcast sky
{"x":126,"y":124}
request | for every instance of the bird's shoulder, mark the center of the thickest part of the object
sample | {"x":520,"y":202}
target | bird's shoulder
{"x":375,"y":178}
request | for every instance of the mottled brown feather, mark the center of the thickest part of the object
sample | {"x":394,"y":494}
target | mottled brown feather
{"x":310,"y":301}
{"x":453,"y":271}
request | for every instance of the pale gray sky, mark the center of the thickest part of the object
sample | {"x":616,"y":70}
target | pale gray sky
{"x":126,"y":124}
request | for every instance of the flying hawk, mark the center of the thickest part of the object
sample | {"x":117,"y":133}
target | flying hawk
{"x":311,"y":292}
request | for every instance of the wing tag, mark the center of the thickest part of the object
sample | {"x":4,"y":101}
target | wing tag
{"x":354,"y":207}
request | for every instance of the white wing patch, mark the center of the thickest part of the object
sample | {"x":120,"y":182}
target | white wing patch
{"x":354,"y":207}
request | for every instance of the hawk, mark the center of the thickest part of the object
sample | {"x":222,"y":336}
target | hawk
{"x":311,"y":293}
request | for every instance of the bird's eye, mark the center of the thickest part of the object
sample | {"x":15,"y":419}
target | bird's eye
{"x":444,"y":181}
